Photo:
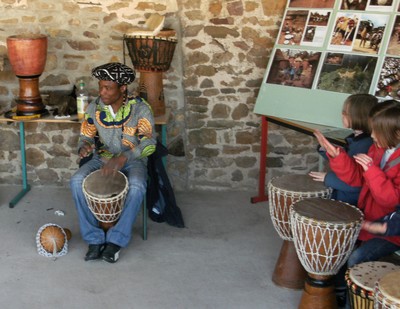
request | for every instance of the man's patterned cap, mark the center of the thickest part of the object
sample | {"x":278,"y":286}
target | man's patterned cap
{"x":116,"y":72}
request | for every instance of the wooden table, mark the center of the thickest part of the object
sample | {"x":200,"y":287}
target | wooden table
{"x":334,"y":135}
{"x":160,"y":120}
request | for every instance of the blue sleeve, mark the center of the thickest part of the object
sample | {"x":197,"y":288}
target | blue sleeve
{"x":332,"y":181}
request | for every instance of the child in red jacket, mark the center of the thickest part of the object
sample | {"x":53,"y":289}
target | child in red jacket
{"x":378,"y":174}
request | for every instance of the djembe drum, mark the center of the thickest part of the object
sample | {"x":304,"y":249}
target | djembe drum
{"x":387,"y":291}
{"x":52,"y":240}
{"x":361,"y":280}
{"x":151,"y":56}
{"x":27,"y":54}
{"x":282,"y":192}
{"x":105,"y":196}
{"x":324,"y":234}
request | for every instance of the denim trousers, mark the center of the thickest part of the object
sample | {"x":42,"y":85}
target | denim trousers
{"x":121,"y":233}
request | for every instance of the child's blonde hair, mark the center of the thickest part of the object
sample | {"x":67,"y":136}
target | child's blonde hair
{"x":357,"y":108}
{"x":385,"y":122}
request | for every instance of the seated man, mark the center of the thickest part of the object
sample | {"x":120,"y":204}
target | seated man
{"x":124,"y":127}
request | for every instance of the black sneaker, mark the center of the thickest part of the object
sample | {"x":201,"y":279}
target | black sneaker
{"x":94,"y":252}
{"x":111,"y":253}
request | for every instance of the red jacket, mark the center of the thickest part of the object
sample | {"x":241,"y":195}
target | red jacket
{"x":380,"y":192}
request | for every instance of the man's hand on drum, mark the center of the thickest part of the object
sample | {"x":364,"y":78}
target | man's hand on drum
{"x":317,"y":176}
{"x":114,"y":164}
{"x":330,"y":149}
{"x":86,"y":150}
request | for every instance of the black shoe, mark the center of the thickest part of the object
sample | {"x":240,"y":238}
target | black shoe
{"x":94,"y":252}
{"x":111,"y":253}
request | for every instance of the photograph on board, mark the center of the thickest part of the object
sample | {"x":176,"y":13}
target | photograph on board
{"x":347,"y":73}
{"x":353,"y":5}
{"x":394,"y":41}
{"x":293,"y":26}
{"x":344,"y":31}
{"x":388,"y":85}
{"x":293,"y":67}
{"x":316,"y":28}
{"x":315,"y":4}
{"x":371,"y":28}
{"x":381,"y":5}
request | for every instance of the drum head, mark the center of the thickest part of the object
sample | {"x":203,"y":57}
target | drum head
{"x":331,"y":211}
{"x":366,"y":274}
{"x":297,"y":183}
{"x":101,"y":186}
{"x":389,"y":287}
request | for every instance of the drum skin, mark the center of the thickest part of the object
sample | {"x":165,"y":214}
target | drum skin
{"x":387,"y":291}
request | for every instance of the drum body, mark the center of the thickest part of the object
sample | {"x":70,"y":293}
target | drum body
{"x":283,"y":191}
{"x":27,"y":54}
{"x":151,"y":56}
{"x":105,"y":196}
{"x":52,"y":241}
{"x":387,"y":291}
{"x":361,"y":280}
{"x":324,"y":234}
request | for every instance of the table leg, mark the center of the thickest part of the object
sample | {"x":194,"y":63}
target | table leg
{"x":263,"y":157}
{"x":164,"y":141}
{"x":25,"y":186}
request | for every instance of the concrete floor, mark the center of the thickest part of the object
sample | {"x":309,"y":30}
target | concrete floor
{"x":224,"y":258}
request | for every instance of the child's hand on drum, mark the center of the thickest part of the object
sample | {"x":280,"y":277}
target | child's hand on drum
{"x":330,"y":149}
{"x":374,"y":227}
{"x":317,"y":176}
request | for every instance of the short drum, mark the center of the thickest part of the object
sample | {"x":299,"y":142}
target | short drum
{"x":387,"y":291}
{"x":361,"y":279}
{"x":283,"y":191}
{"x":105,"y":196}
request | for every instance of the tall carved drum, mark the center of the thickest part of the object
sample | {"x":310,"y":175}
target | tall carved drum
{"x":324,"y":234}
{"x":151,"y":56}
{"x":27,"y":54}
{"x":283,"y":191}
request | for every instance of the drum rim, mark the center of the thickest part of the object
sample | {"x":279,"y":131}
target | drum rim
{"x":392,"y":298}
{"x":171,"y":39}
{"x":85,"y":192}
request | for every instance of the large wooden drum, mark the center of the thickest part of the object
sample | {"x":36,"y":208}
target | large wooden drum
{"x":324,"y":234}
{"x":105,"y":196}
{"x":27,"y":54}
{"x":283,"y":191}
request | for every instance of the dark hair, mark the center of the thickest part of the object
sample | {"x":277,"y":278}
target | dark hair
{"x":357,"y":108}
{"x":385,"y":122}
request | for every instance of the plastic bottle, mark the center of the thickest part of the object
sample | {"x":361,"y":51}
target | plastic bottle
{"x":82,"y":99}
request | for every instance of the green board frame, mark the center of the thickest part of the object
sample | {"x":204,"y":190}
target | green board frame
{"x":312,"y":104}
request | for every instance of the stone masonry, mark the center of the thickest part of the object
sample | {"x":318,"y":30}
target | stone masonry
{"x":212,"y":85}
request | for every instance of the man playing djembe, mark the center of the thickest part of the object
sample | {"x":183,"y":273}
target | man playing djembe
{"x":119,"y":131}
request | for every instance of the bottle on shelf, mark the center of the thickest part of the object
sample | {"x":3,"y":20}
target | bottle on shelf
{"x":82,"y":99}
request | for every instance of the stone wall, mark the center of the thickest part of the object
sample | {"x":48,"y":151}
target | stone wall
{"x":211,"y":87}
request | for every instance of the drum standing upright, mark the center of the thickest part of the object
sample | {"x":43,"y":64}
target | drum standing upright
{"x":387,"y":291}
{"x":283,"y":191}
{"x":105,"y":196}
{"x":361,"y":279}
{"x":324,"y":234}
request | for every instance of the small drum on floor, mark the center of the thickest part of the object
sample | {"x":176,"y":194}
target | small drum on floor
{"x":387,"y":291}
{"x":105,"y":196}
{"x":283,"y":191}
{"x":361,"y":280}
{"x":324,"y":234}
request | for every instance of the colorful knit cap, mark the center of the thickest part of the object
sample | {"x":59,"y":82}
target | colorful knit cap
{"x":116,"y":72}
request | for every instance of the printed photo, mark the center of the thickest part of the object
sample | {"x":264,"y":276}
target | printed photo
{"x":316,"y":28}
{"x":370,"y":33}
{"x":315,"y":4}
{"x":381,"y":5}
{"x":388,"y":86}
{"x":344,"y":31}
{"x":295,"y":68}
{"x":394,"y":41}
{"x":293,"y":26}
{"x":347,"y":73}
{"x":354,"y":5}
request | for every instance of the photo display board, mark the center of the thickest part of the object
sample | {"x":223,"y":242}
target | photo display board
{"x":327,"y":50}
